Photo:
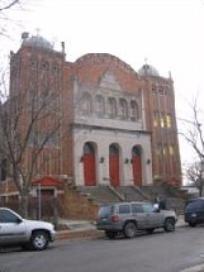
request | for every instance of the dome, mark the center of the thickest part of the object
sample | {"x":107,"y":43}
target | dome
{"x":37,"y":41}
{"x":148,"y":70}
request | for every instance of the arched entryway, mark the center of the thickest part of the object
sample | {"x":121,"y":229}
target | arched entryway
{"x":89,"y":161}
{"x":114,"y":162}
{"x":137,"y":165}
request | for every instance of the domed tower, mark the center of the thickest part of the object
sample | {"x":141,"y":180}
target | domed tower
{"x":36,"y":41}
{"x":36,"y":63}
{"x":148,"y":70}
{"x":159,"y":104}
{"x":36,"y":71}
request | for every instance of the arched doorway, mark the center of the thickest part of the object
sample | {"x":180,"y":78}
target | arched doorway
{"x":89,"y":161}
{"x":137,"y":165}
{"x":114,"y":170}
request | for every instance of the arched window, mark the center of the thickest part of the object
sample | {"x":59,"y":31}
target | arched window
{"x":162,"y":120}
{"x":171,"y":150}
{"x":112,"y":110}
{"x":86,"y":104}
{"x":45,"y":65}
{"x":88,"y":148}
{"x":168,"y":121}
{"x":136,"y":151}
{"x":33,"y":63}
{"x":134,"y":110}
{"x":113,"y":149}
{"x":123,"y":108}
{"x":100,"y":105}
{"x":55,"y":68}
{"x":156,"y":119}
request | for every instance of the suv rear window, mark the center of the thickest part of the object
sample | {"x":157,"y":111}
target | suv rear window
{"x":148,"y":208}
{"x":137,"y":208}
{"x":105,"y":211}
{"x":124,"y":209}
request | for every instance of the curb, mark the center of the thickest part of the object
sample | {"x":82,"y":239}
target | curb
{"x":79,"y":234}
{"x":86,"y":234}
{"x":184,"y":225}
{"x":197,"y":268}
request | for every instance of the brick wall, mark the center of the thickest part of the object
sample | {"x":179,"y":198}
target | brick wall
{"x":75,"y":205}
{"x":88,"y":70}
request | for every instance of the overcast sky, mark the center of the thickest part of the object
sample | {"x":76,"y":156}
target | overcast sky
{"x":169,"y":33}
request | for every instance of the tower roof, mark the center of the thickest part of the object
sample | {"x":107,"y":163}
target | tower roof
{"x":37,"y":41}
{"x":148,"y":70}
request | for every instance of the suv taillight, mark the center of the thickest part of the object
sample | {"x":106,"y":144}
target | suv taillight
{"x":115,"y":218}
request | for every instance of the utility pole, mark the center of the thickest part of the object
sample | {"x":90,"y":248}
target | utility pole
{"x":39,"y":202}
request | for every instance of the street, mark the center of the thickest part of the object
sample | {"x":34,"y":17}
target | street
{"x":159,"y":252}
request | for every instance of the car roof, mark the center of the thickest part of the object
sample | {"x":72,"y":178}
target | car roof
{"x":126,"y":203}
{"x":5,"y":208}
{"x":195,"y":199}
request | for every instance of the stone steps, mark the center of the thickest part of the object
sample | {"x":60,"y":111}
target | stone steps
{"x":130,"y":193}
{"x":170,"y":195}
{"x":101,"y":193}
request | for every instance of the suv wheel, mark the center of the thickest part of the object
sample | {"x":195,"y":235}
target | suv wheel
{"x":110,"y":234}
{"x":150,"y":231}
{"x":169,"y":225}
{"x":192,"y":224}
{"x":130,"y":230}
{"x":39,"y":240}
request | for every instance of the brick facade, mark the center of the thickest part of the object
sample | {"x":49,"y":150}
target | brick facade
{"x":155,"y":127}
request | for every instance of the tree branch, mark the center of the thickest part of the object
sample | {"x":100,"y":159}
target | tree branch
{"x":10,"y":5}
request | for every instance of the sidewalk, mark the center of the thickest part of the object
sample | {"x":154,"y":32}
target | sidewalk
{"x":197,"y":268}
{"x":181,"y":222}
{"x":80,"y":229}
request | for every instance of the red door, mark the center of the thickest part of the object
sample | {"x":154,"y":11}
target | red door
{"x":137,"y":167}
{"x":89,"y":165}
{"x":114,"y":166}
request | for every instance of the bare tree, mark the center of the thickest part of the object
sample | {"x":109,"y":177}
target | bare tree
{"x":194,"y":131}
{"x":194,"y":135}
{"x":194,"y":175}
{"x":5,"y":6}
{"x":30,"y":122}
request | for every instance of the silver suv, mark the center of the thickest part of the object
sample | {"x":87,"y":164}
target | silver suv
{"x":128,"y":217}
{"x":15,"y":230}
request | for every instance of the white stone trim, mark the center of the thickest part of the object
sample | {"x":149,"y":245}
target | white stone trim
{"x":103,"y":138}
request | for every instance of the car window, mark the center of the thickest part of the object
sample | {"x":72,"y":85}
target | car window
{"x":147,"y":207}
{"x":124,"y":209}
{"x":105,"y":211}
{"x":7,"y":217}
{"x":195,"y":205}
{"x":137,"y":208}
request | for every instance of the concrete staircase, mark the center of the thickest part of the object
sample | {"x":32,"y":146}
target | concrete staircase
{"x":132,"y":193}
{"x":107,"y":194}
{"x":176,"y":204}
{"x":101,"y":194}
{"x":174,"y":198}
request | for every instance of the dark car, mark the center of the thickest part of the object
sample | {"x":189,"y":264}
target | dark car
{"x":194,"y":212}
